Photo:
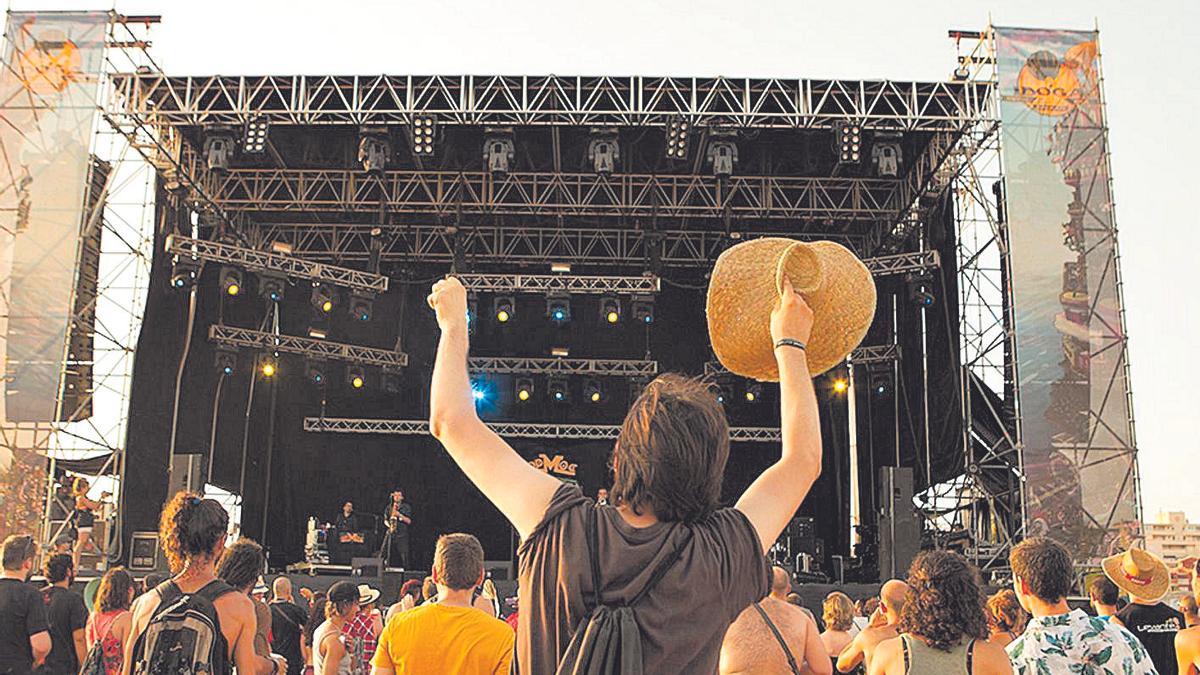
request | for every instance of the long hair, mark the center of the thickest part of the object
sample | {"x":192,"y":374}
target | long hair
{"x":944,"y":603}
{"x":837,"y":611}
{"x":1005,"y":613}
{"x":115,"y":591}
{"x":190,"y":526}
{"x":241,"y":564}
{"x":316,"y":614}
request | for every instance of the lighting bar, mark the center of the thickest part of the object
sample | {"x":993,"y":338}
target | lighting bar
{"x":262,"y":261}
{"x":564,"y":283}
{"x":314,"y":349}
{"x":903,"y":263}
{"x":562,"y":366}
{"x":351,"y":425}
{"x":859,"y":357}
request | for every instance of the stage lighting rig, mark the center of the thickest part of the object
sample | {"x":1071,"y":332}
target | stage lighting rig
{"x":840,"y":385}
{"x":610,"y":310}
{"x":847,"y":142}
{"x":881,"y":384}
{"x":323,"y":299}
{"x":225,"y":359}
{"x":232,"y":282}
{"x":753,"y":392}
{"x":218,"y":149}
{"x":592,"y":391}
{"x":499,"y":153}
{"x":254,"y":139}
{"x":886,"y":156}
{"x":184,"y":272}
{"x":361,"y":306}
{"x":722,"y":153}
{"x":268,"y":365}
{"x":678,"y":133}
{"x":422,"y":135}
{"x":271,"y":286}
{"x":557,"y":388}
{"x":524,"y":389}
{"x":316,"y":372}
{"x":643,"y":309}
{"x":355,"y":377}
{"x":603,"y":151}
{"x":316,"y":349}
{"x":920,"y":290}
{"x":374,"y":149}
{"x":558,"y":308}
{"x":504,"y":308}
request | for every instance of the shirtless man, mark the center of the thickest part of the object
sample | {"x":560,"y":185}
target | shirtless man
{"x":751,"y":648}
{"x":882,"y":627}
{"x":1187,"y":641}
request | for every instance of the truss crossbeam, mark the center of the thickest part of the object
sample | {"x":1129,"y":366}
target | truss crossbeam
{"x":860,"y":356}
{"x":262,"y":261}
{"x":562,"y":366}
{"x":565,"y":283}
{"x":903,"y":263}
{"x":352,"y":425}
{"x":307,"y":347}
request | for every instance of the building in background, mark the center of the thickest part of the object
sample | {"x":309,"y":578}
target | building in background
{"x":1171,"y":537}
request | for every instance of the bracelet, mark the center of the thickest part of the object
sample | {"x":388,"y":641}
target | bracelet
{"x":790,"y":342}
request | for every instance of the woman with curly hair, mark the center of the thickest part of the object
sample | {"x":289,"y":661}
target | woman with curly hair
{"x":943,"y":625}
{"x":110,"y":619}
{"x":838,"y":614}
{"x":1006,"y":618}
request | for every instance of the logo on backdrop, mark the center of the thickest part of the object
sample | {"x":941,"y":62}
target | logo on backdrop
{"x":557,"y":464}
{"x":1053,"y":87}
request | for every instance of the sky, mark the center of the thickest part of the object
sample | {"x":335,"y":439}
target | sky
{"x":1146,"y":48}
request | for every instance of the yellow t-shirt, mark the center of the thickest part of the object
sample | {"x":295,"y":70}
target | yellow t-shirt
{"x":433,"y":639}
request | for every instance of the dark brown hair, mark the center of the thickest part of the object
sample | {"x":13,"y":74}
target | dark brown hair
{"x":16,"y":550}
{"x":1005,"y":613}
{"x":458,"y":560}
{"x":190,"y":526}
{"x":944,"y":603}
{"x":671,"y":452}
{"x":241,"y":564}
{"x":1103,"y":589}
{"x":411,"y":587}
{"x":114,"y":590}
{"x":1045,"y":566}
{"x":58,"y":567}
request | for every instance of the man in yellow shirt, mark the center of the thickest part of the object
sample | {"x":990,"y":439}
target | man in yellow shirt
{"x":450,"y":635}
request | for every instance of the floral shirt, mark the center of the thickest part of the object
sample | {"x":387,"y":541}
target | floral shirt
{"x":1078,"y":643}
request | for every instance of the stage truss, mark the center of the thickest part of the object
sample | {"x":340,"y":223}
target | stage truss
{"x":356,"y":425}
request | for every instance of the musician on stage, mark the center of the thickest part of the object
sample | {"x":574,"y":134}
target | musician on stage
{"x":347,"y":522}
{"x":397,"y":516}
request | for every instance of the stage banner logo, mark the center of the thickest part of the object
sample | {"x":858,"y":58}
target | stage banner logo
{"x":1077,"y":429}
{"x":49,"y":85}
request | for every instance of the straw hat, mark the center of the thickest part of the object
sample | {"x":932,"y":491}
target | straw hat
{"x":1139,"y":573}
{"x":366,"y":594}
{"x":746,"y":284}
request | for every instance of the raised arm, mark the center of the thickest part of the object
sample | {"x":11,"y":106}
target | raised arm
{"x":772,"y":499}
{"x":520,"y":491}
{"x":852,"y":655}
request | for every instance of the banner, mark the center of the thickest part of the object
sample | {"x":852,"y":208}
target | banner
{"x":49,"y":81}
{"x":1079,"y":455}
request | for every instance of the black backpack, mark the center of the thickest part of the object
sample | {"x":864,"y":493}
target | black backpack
{"x":184,"y":635}
{"x":609,"y":640}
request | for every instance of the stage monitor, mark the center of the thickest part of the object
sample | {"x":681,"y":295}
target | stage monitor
{"x":143,"y":552}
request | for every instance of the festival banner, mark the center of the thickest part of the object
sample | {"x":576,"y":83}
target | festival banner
{"x":49,"y":85}
{"x":1077,"y":429}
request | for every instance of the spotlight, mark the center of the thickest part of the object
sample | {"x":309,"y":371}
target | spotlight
{"x":556,"y":387}
{"x":231,"y":281}
{"x":268,"y":365}
{"x":722,"y":156}
{"x":184,"y":272}
{"x":373,"y":151}
{"x":271,"y":287}
{"x":847,"y":142}
{"x":504,"y":308}
{"x":881,"y":384}
{"x":218,"y":148}
{"x":560,"y":352}
{"x":603,"y":151}
{"x":886,"y":158}
{"x":479,"y":391}
{"x":421,"y":136}
{"x":225,"y":360}
{"x":498,"y":150}
{"x":316,"y":373}
{"x":558,"y":308}
{"x":361,"y":305}
{"x":840,"y":385}
{"x":920,"y":290}
{"x":592,"y":391}
{"x":753,"y":392}
{"x":355,"y":377}
{"x":390,"y":382}
{"x":643,"y":309}
{"x":610,"y":310}
{"x":322,"y":299}
{"x":524,"y":389}
{"x":722,"y":393}
{"x":678,"y":130}
{"x":254,"y":140}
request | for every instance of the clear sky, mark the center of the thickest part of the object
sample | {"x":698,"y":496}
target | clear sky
{"x":1153,"y":108}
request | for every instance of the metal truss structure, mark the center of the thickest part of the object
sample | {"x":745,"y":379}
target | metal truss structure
{"x":903,"y":263}
{"x":552,"y":100}
{"x":860,"y":356}
{"x":563,"y":366}
{"x":560,"y":283}
{"x":263,"y":261}
{"x":354,"y":425}
{"x":307,"y":347}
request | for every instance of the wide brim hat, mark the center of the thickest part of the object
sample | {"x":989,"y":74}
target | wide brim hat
{"x":745,"y":287}
{"x":366,"y":594}
{"x":1139,"y":573}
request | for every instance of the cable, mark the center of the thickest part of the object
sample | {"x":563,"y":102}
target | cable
{"x":212,"y":434}
{"x":187,"y":346}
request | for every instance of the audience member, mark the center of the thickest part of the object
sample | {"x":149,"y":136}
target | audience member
{"x":240,"y":567}
{"x":1103,"y":596}
{"x":943,"y":624}
{"x":316,"y":616}
{"x":152,"y":581}
{"x":881,"y":626}
{"x":1058,"y":639}
{"x":331,"y":654}
{"x":668,"y":464}
{"x":1006,"y":617}
{"x":1190,"y":610}
{"x":1145,"y":579}
{"x":485,"y":598}
{"x":451,"y":635}
{"x":287,"y":622}
{"x":66,"y":615}
{"x":428,"y":590}
{"x":1187,"y":641}
{"x":838,"y":614}
{"x":192,"y":531}
{"x":24,"y":635}
{"x":410,"y":595}
{"x":110,"y":622}
{"x":773,"y":636}
{"x":362,"y":630}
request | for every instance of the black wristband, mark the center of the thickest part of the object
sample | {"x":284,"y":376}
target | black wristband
{"x":790,"y":342}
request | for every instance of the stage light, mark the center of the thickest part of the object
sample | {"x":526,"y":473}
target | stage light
{"x":678,"y":131}
{"x":479,"y":391}
{"x":887,"y":159}
{"x":390,"y":382}
{"x":361,"y":306}
{"x":322,"y":299}
{"x":610,"y":310}
{"x":722,"y":393}
{"x":847,"y":142}
{"x":840,"y":385}
{"x":184,"y":272}
{"x":271,"y":287}
{"x":643,"y":309}
{"x":560,"y":352}
{"x":524,"y":389}
{"x":558,"y":390}
{"x":920,"y":290}
{"x":753,"y":392}
{"x":254,"y":140}
{"x":315,"y":371}
{"x":560,"y":268}
{"x":225,"y":359}
{"x":356,"y":377}
{"x":317,"y":332}
{"x":422,"y":136}
{"x":604,"y":151}
{"x":881,"y":384}
{"x":231,"y":281}
{"x":504,"y":308}
{"x":498,"y":151}
{"x":268,"y":365}
{"x":373,"y":151}
{"x":722,"y":156}
{"x":592,"y":391}
{"x":217,"y":149}
{"x":558,"y":308}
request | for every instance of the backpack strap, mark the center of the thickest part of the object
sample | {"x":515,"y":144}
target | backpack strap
{"x":593,"y":536}
{"x":907,"y":654}
{"x":778,"y":638}
{"x":970,"y":657}
{"x":214,"y":589}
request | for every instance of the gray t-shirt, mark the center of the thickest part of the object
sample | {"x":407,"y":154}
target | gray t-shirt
{"x":684,"y":618}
